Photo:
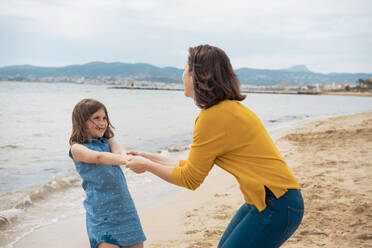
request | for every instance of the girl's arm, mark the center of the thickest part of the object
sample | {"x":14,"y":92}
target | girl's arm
{"x":159,"y":159}
{"x":81,"y":153}
{"x":140,"y":164}
{"x":115,"y":147}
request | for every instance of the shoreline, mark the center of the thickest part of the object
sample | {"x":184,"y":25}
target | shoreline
{"x":330,"y":157}
{"x":341,"y":93}
{"x":347,"y":93}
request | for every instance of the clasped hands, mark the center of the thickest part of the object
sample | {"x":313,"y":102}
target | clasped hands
{"x":138,"y":162}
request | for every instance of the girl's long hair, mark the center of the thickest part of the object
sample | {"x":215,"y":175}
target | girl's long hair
{"x":83,"y":110}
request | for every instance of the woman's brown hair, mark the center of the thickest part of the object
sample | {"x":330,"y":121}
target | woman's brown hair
{"x":213,"y":77}
{"x":83,"y":110}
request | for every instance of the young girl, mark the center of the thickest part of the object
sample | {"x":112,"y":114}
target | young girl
{"x":111,"y":217}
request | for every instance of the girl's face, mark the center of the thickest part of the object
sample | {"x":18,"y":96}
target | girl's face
{"x":97,"y":124}
{"x":188,"y":82}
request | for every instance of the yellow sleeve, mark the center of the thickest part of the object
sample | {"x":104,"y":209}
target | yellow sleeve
{"x":209,"y":141}
{"x":182,"y":163}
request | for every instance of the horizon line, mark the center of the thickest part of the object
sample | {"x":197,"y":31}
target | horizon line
{"x":97,"y":61}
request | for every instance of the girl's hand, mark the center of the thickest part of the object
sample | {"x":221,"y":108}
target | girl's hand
{"x":126,"y":158}
{"x":138,"y":164}
{"x":156,"y":158}
{"x":138,"y":153}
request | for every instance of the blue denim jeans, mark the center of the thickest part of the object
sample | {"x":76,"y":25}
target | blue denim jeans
{"x":267,"y":229}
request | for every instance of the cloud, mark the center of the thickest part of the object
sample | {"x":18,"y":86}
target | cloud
{"x":285,"y":32}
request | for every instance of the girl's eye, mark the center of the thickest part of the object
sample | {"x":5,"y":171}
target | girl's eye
{"x":105,"y":118}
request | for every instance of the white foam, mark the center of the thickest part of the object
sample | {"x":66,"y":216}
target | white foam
{"x":164,"y":153}
{"x":10,"y":215}
{"x":27,"y":200}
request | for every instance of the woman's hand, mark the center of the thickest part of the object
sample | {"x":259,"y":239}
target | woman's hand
{"x":138,"y":164}
{"x":139,"y":153}
{"x":157,"y":158}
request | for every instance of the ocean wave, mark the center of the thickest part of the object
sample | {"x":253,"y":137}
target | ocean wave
{"x":10,"y":147}
{"x":287,"y":118}
{"x":58,"y":182}
{"x":8,"y":216}
{"x":175,"y":148}
{"x":13,"y":204}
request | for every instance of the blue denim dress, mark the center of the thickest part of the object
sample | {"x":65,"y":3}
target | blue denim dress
{"x":110,"y":212}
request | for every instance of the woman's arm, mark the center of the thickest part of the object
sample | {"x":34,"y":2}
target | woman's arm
{"x":209,"y":141}
{"x":81,"y":153}
{"x":157,"y":158}
{"x":141,"y":164}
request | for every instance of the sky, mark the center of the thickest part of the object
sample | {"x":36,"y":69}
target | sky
{"x":325,"y":35}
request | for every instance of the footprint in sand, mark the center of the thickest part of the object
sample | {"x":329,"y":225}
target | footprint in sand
{"x":221,"y":195}
{"x":209,"y":233}
{"x":188,"y":215}
{"x":359,"y":222}
{"x":220,"y":216}
{"x":365,"y":236}
{"x":200,"y":245}
{"x":307,"y":233}
{"x":360,"y":209}
{"x":192,"y":232}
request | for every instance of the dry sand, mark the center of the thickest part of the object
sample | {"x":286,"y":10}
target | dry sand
{"x":333,"y":162}
{"x":331,"y":158}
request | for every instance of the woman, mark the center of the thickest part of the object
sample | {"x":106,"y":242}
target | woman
{"x":231,"y":136}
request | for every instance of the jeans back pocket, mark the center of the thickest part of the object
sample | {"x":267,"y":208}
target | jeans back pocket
{"x":294,"y":220}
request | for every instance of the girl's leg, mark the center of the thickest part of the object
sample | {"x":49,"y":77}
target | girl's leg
{"x":140,"y":245}
{"x":240,"y":214}
{"x":107,"y":245}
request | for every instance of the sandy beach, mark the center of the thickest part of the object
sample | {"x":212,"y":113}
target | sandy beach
{"x":332,"y":160}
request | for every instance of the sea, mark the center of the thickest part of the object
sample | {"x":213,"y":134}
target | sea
{"x":38,"y":182}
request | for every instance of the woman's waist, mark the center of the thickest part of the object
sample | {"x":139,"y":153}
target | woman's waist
{"x":254,"y":184}
{"x":259,"y":195}
{"x":292,"y":198}
{"x":277,"y":174}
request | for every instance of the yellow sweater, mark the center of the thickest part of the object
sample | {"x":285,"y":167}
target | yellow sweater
{"x":230,"y":135}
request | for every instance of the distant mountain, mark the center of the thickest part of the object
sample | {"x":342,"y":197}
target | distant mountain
{"x":297,"y":68}
{"x":141,"y":71}
{"x":271,"y":77}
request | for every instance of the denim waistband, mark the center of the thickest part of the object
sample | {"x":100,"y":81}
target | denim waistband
{"x":290,"y":192}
